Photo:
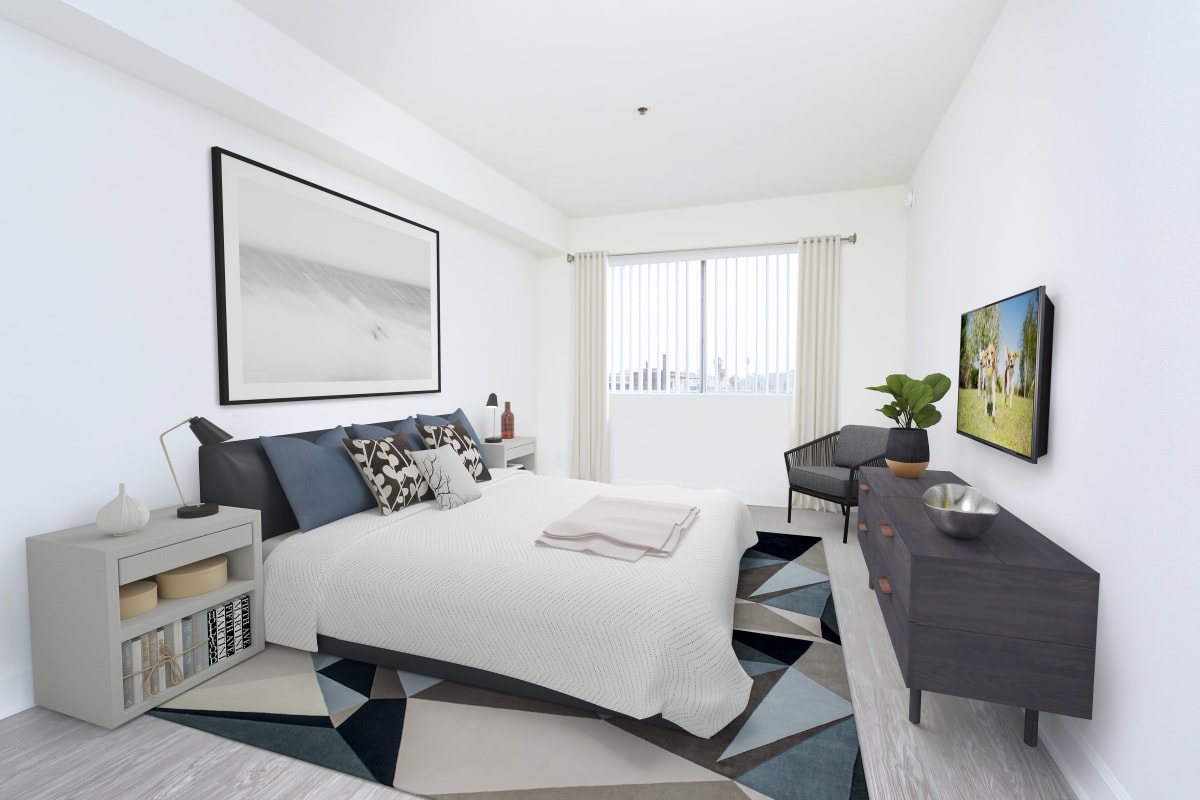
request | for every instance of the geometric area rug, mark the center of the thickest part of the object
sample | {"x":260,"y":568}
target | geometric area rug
{"x":796,"y":740}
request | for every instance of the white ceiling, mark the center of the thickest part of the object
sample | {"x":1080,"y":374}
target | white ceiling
{"x":747,"y":100}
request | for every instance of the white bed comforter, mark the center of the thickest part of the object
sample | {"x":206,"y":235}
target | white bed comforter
{"x":469,"y":586}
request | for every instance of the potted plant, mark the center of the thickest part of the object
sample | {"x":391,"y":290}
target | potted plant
{"x":913,"y":411}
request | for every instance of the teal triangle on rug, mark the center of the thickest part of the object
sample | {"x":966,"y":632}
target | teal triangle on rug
{"x":796,"y":740}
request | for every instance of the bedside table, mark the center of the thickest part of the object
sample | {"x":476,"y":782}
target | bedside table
{"x":75,"y":617}
{"x":517,"y":451}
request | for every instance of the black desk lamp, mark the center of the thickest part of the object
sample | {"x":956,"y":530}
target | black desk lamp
{"x":493,"y":404}
{"x":207,"y":433}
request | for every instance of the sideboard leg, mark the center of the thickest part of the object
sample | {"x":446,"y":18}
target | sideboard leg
{"x":914,"y":706}
{"x":1031,"y":727}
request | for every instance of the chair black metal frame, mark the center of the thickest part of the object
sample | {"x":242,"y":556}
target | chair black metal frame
{"x":819,"y":453}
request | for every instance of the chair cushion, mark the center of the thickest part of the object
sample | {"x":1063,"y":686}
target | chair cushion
{"x":833,"y":481}
{"x":859,"y":443}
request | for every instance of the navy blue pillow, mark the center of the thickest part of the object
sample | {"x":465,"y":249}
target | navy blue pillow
{"x":320,"y":479}
{"x":456,"y":416}
{"x":406,"y":426}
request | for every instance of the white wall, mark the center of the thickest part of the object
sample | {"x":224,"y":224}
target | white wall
{"x":735,"y":443}
{"x":108,"y":316}
{"x":1069,"y":159}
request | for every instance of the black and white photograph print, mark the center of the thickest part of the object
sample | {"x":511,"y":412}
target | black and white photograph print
{"x":319,"y":295}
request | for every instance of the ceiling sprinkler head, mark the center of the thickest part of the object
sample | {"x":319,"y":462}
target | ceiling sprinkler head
{"x":642,"y":110}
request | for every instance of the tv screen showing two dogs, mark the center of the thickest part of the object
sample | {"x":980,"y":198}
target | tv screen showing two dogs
{"x":1004,"y":373}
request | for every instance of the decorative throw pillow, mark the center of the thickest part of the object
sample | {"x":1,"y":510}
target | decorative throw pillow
{"x":443,"y":468}
{"x":388,"y":469}
{"x":407,"y":427}
{"x":456,"y":436}
{"x":456,"y":415}
{"x":319,"y":479}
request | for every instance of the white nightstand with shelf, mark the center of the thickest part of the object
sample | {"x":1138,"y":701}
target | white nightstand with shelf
{"x":74,"y":609}
{"x":517,"y":451}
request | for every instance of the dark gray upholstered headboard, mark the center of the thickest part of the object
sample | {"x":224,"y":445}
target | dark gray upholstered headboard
{"x":238,"y":473}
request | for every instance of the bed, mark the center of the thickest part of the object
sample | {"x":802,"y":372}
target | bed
{"x":466,"y":595}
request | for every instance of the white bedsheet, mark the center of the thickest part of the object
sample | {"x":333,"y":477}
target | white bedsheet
{"x":469,"y":586}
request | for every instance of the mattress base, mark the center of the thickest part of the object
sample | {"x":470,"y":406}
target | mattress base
{"x":469,"y":676}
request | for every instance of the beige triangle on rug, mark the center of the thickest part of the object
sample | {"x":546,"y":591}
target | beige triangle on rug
{"x":273,"y":662}
{"x":288,"y":694}
{"x":449,"y":748}
{"x":757,"y":618}
{"x":811,"y":626}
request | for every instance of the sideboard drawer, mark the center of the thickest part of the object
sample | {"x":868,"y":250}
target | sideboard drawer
{"x":894,"y":620}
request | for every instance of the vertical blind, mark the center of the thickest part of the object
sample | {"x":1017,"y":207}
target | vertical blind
{"x":719,"y":321}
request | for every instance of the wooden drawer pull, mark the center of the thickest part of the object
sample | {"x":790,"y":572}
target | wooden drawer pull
{"x":885,"y":586}
{"x":887,"y":531}
{"x":862,"y":527}
{"x":862,"y":487}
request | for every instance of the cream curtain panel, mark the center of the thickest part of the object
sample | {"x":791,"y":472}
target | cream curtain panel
{"x":590,"y":440}
{"x":815,"y":398}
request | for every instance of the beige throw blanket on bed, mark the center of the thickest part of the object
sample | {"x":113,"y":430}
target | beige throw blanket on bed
{"x":621,"y":527}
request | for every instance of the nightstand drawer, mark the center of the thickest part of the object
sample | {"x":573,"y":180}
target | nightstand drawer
{"x":151,"y":562}
{"x":520,"y":450}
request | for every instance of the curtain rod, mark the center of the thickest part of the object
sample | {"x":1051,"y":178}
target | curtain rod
{"x":852,"y":238}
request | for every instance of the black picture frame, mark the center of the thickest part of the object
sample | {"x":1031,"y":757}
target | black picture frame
{"x":319,"y":295}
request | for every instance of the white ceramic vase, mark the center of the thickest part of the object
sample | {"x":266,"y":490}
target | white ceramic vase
{"x":123,"y":516}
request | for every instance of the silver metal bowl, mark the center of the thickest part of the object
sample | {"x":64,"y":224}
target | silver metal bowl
{"x":960,"y":511}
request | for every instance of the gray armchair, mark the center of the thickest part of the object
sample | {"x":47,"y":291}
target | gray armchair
{"x":827,"y":468}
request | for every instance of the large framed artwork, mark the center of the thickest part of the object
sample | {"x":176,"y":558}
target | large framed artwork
{"x":319,"y":295}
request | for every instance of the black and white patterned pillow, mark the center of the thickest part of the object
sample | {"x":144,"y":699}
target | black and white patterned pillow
{"x":456,"y":436}
{"x":452,"y":485}
{"x":388,"y":469}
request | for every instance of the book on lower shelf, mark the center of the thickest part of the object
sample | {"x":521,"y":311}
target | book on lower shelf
{"x":160,"y":659}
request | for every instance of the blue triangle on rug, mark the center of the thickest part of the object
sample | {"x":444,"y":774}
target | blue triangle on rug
{"x":809,"y":601}
{"x":821,"y":766}
{"x":311,"y":739}
{"x":374,"y":733}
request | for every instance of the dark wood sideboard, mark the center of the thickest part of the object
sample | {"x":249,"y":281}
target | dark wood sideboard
{"x":1008,"y":617}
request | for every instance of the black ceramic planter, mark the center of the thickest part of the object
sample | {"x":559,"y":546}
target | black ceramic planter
{"x":907,"y":453}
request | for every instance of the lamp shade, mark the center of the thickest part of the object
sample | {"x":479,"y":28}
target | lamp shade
{"x":207,"y":432}
{"x":492,"y":402}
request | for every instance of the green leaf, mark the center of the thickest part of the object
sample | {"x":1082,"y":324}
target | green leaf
{"x":940,"y":385}
{"x":928,"y":417}
{"x":917,"y":395}
{"x":890,"y":412}
{"x":896,"y":383}
{"x":884,"y":389}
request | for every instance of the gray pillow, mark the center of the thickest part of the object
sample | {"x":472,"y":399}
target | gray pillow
{"x":319,"y":479}
{"x":443,"y":468}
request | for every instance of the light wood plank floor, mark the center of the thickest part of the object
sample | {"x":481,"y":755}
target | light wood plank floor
{"x":963,"y":750}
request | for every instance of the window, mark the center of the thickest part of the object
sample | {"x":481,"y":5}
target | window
{"x":720,"y":321}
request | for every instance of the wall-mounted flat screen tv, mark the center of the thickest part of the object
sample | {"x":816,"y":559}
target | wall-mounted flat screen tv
{"x":1004,"y":374}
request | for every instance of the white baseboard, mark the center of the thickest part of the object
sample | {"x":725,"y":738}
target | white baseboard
{"x":16,"y":692}
{"x":1080,"y":764}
